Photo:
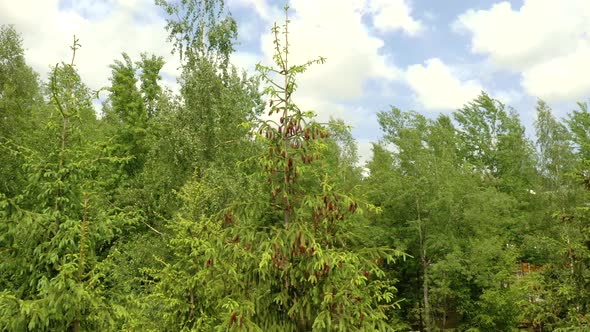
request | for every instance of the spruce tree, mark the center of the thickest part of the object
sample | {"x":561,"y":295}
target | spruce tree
{"x":54,"y":233}
{"x":277,"y":255}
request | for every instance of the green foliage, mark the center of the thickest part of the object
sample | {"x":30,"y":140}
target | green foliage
{"x":20,"y":97}
{"x":282,"y":240}
{"x":493,"y":140}
{"x":196,"y":212}
{"x":555,"y":146}
{"x":422,"y":169}
{"x":199,"y":31}
{"x":128,"y":115}
{"x":150,"y":75}
{"x":54,"y":231}
{"x":19,"y":88}
{"x":579,"y":124}
{"x":440,"y":207}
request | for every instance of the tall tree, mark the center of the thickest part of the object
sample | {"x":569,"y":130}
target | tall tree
{"x":436,"y":205}
{"x":562,"y":235}
{"x":423,"y":161}
{"x":283,"y":242}
{"x":200,"y":30}
{"x":53,"y":234}
{"x":19,"y":89}
{"x":201,"y":129}
{"x":128,"y":114}
{"x":150,"y":67}
{"x":579,"y":125}
{"x":493,"y":140}
{"x":19,"y":98}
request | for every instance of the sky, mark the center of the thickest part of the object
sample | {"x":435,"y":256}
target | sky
{"x":430,"y":56}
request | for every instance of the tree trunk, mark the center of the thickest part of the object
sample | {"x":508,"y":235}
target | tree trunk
{"x":425,"y":293}
{"x":424,"y":261}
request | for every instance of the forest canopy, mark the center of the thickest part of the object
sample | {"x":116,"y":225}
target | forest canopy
{"x":226,"y":207}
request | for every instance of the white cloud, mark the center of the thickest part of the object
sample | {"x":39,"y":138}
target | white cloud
{"x":562,"y":78}
{"x":246,"y":61}
{"x":365,"y":151}
{"x":333,"y":29}
{"x":544,"y":40}
{"x":105,"y":29}
{"x":262,"y":8}
{"x":355,"y":116}
{"x":391,"y":15}
{"x":336,"y":30}
{"x":507,"y":96}
{"x":437,"y":87}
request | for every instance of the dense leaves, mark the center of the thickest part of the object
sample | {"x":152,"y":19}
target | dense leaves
{"x":227,"y":207}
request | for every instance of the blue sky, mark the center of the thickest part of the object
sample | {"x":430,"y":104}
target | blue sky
{"x":442,"y":52}
{"x":430,"y":56}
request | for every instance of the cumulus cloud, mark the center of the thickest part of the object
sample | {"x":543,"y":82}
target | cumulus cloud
{"x":334,"y":29}
{"x":386,"y":15}
{"x":339,"y":31}
{"x":544,"y":40}
{"x":437,"y":86}
{"x":508,"y":96}
{"x":392,"y":15}
{"x":343,"y":31}
{"x":354,"y":115}
{"x":245,"y":60}
{"x":365,"y":151}
{"x":262,"y":8}
{"x":105,"y":29}
{"x":562,"y":78}
{"x":331,"y":28}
